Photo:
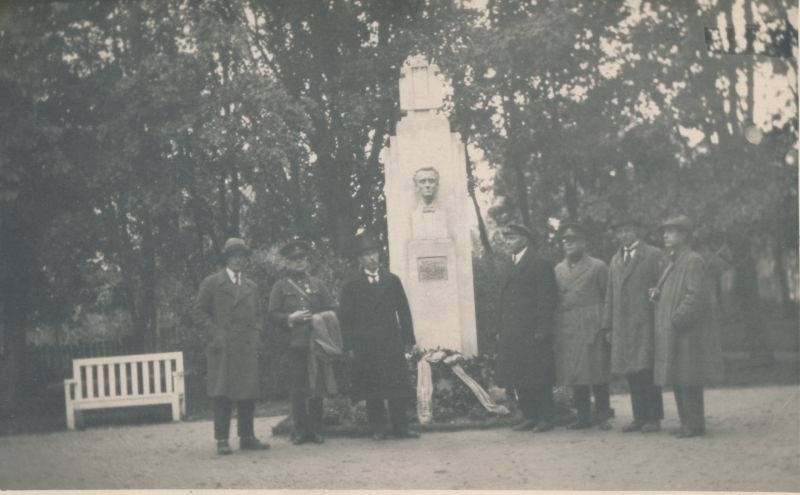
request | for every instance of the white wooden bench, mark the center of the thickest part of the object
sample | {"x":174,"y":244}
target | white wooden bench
{"x":121,"y":381}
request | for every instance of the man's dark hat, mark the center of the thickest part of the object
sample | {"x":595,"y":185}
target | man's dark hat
{"x":365,"y":241}
{"x":678,"y":221}
{"x":295,"y":248}
{"x":627,"y":221}
{"x":519,"y":229}
{"x":235,"y":245}
{"x":571,"y":230}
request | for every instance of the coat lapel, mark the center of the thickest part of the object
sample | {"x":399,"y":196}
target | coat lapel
{"x":228,"y":287}
{"x":573,"y":276}
{"x":631,"y":266}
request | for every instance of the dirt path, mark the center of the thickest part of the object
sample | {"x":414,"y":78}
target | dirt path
{"x":754,"y":445}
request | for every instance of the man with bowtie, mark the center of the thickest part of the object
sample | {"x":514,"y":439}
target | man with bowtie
{"x":377,"y":328}
{"x":628,"y":316}
{"x":227,"y":310}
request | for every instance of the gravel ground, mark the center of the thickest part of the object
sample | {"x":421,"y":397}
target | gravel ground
{"x":753,"y":445}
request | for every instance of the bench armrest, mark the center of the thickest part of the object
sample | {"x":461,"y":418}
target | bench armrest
{"x":69,"y":384}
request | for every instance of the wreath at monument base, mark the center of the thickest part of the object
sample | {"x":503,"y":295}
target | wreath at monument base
{"x":453,"y":404}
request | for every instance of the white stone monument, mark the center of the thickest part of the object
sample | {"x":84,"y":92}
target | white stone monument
{"x":430,"y":246}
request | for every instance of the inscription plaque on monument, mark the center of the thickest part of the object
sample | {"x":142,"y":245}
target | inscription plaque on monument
{"x":432,"y":268}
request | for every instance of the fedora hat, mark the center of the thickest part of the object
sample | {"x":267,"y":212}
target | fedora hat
{"x":235,"y":245}
{"x":678,"y":221}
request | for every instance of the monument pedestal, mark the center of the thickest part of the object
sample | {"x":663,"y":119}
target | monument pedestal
{"x":432,"y":286}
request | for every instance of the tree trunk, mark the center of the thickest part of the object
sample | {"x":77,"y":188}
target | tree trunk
{"x":484,"y":235}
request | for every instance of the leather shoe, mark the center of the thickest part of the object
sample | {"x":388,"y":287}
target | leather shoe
{"x":526,"y":425}
{"x":651,"y":427}
{"x":316,"y":438}
{"x":223,"y":447}
{"x":677,"y":431}
{"x":579,"y":425}
{"x":543,"y":426}
{"x":252,"y":443}
{"x":687,"y":433}
{"x":378,"y":436}
{"x":407,"y":434}
{"x":604,"y":425}
{"x":298,"y":439}
{"x":635,"y":425}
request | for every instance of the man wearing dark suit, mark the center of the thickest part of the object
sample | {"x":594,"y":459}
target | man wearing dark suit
{"x":227,"y":310}
{"x":628,"y":316}
{"x":526,"y":364}
{"x":378,"y":331}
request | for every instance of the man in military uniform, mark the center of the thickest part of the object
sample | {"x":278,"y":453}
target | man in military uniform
{"x":687,"y":347}
{"x":293,"y":301}
{"x":227,"y":310}
{"x":525,"y":361}
{"x":378,"y":331}
{"x":628,"y":316}
{"x":582,"y":349}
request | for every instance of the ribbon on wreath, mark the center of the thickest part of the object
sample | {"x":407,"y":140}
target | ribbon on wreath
{"x":425,"y":386}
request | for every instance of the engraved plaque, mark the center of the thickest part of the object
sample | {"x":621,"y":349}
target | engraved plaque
{"x":432,"y":268}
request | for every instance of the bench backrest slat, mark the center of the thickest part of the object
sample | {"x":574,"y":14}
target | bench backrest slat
{"x":100,"y":378}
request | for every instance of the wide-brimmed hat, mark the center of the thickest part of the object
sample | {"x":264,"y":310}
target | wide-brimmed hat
{"x":235,"y":245}
{"x":295,"y":248}
{"x":678,"y":221}
{"x":365,"y":241}
{"x":571,"y":230}
{"x":514,"y":228}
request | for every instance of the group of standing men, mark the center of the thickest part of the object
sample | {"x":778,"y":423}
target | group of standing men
{"x":647,"y":316}
{"x":375,"y":322}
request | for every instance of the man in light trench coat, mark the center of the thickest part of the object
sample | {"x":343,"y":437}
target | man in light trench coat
{"x":227,"y":312}
{"x":687,"y":348}
{"x":629,"y":317}
{"x":582,"y":350}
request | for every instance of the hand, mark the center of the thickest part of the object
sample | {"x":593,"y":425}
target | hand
{"x":410,"y":348}
{"x":299,"y":316}
{"x":654,"y":294}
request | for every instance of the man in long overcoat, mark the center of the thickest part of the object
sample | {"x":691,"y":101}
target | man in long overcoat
{"x":377,"y":329}
{"x":528,"y":301}
{"x":582,"y":350}
{"x":687,"y":348}
{"x":227,"y":311}
{"x":629,"y":316}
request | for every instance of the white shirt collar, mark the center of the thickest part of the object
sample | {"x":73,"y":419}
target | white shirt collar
{"x":232,"y":275}
{"x":519,"y":255}
{"x":632,"y":247}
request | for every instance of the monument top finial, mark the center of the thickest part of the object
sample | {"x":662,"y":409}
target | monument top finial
{"x":421,"y":85}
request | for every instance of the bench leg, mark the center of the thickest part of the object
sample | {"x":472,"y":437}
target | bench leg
{"x":176,"y":410}
{"x":70,"y":417}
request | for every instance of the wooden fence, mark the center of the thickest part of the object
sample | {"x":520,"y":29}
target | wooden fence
{"x":51,"y":364}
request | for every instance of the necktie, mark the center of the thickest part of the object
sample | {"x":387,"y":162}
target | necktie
{"x":626,"y":255}
{"x":238,"y":279}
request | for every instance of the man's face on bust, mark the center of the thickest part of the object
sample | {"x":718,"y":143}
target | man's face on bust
{"x":427,"y":183}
